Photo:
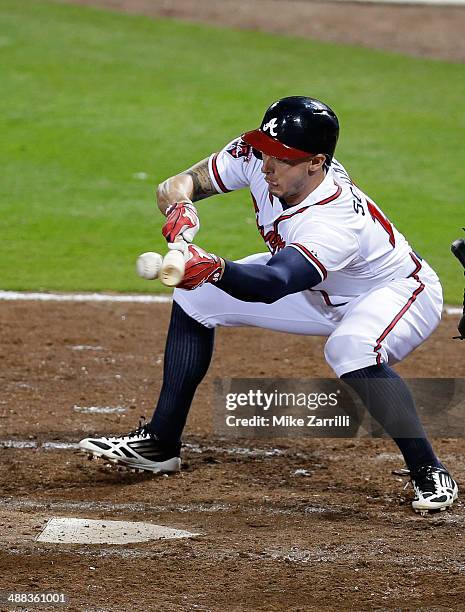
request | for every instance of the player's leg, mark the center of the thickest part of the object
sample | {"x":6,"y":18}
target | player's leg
{"x":382,"y":328}
{"x":188,"y":352}
{"x":156,"y":445}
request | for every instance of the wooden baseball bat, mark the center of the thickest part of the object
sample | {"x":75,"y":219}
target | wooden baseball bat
{"x":173,"y":266}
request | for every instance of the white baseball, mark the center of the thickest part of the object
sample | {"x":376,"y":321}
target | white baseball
{"x":148,"y":265}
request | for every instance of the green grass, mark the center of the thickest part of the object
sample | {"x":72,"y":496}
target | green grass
{"x":89,"y":98}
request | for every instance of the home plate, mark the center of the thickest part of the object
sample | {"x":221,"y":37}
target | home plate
{"x":89,"y":531}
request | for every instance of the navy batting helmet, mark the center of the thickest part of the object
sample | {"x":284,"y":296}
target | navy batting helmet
{"x":295,"y":128}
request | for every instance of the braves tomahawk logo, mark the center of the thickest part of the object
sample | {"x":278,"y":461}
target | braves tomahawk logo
{"x":239,"y":148}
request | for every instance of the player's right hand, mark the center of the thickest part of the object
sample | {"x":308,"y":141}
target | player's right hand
{"x":201,"y":267}
{"x":182,"y":221}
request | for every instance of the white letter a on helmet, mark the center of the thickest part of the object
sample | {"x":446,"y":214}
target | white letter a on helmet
{"x":271,"y":126}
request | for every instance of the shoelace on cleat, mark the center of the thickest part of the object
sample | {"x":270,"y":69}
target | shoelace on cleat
{"x":142,"y":430}
{"x":424,"y":479}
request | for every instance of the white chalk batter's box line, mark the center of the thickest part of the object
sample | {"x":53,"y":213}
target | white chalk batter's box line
{"x":108,"y":297}
{"x":100,"y":409}
{"x":194,"y":448}
{"x":269,"y":509}
{"x":83,"y":297}
{"x":315,"y":505}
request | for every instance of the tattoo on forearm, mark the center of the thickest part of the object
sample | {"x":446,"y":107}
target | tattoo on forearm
{"x":203,"y":186}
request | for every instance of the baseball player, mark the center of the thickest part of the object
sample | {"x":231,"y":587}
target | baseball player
{"x":335,"y":267}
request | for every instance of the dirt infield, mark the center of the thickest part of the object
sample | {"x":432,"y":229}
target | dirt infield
{"x":422,"y":31}
{"x":339,"y":535}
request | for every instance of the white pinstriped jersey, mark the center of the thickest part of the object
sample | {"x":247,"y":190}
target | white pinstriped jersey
{"x":337,"y":227}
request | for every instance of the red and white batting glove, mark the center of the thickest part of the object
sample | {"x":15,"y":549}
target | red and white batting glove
{"x":181,"y":220}
{"x":201,"y":267}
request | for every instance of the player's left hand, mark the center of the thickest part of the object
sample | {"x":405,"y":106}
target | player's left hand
{"x":182,"y":221}
{"x":201,"y":267}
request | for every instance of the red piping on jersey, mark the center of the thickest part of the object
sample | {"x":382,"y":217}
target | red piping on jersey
{"x":286,"y":217}
{"x":255,"y":205}
{"x":257,"y":210}
{"x":417,"y":268}
{"x":327,"y":299}
{"x":221,"y":185}
{"x":311,"y":256}
{"x":325,"y":296}
{"x":401,"y":313}
{"x":331,"y":198}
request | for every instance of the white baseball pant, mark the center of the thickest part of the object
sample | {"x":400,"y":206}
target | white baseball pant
{"x":383,"y":325}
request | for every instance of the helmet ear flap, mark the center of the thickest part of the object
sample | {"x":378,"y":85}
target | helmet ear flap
{"x":257,"y":153}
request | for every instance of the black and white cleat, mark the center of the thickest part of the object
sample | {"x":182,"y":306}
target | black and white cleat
{"x":139,"y":451}
{"x":435,"y":489}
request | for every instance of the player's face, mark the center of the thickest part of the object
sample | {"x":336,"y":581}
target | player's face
{"x":290,"y":180}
